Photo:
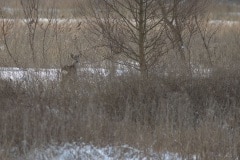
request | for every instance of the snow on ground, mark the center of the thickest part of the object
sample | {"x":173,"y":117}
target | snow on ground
{"x":82,"y":151}
{"x":17,"y":74}
{"x":77,"y":20}
{"x":45,"y":75}
{"x":234,"y":13}
{"x":224,"y":22}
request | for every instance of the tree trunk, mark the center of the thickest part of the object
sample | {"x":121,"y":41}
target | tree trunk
{"x":141,"y":30}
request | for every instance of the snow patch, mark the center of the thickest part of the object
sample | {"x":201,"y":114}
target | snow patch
{"x":74,"y":151}
{"x":223,"y":22}
{"x":18,"y":74}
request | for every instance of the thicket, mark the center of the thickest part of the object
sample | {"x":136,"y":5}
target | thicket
{"x":196,"y":114}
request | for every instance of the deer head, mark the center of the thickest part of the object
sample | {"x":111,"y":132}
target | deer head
{"x":72,"y":68}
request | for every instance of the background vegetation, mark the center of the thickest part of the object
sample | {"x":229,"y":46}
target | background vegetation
{"x":191,"y":114}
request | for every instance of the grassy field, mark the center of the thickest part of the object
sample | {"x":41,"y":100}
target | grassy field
{"x":167,"y":112}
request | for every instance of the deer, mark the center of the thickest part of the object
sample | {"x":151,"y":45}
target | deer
{"x":69,"y":74}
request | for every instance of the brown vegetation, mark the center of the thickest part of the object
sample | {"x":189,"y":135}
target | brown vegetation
{"x":168,"y":111}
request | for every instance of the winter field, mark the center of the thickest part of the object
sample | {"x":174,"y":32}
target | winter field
{"x":21,"y":75}
{"x":222,"y":132}
{"x":77,"y":87}
{"x":81,"y":151}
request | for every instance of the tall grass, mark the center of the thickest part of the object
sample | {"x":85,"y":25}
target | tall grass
{"x":167,"y":112}
{"x":198,"y":116}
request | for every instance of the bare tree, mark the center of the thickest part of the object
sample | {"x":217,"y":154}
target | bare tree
{"x":130,"y":29}
{"x":142,"y":31}
{"x":31,"y":13}
{"x":183,"y":19}
{"x":6,"y":27}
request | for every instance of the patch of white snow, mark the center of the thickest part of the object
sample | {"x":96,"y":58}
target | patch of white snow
{"x":82,"y":151}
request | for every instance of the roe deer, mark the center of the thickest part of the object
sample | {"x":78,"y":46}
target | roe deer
{"x":69,"y":74}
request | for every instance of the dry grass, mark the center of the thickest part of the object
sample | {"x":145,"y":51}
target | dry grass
{"x":197,"y":116}
{"x":176,"y":116}
{"x":223,"y":11}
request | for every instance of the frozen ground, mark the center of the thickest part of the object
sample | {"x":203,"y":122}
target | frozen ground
{"x":31,"y":74}
{"x":77,"y":21}
{"x":82,"y":151}
{"x":224,"y":22}
{"x":18,"y":74}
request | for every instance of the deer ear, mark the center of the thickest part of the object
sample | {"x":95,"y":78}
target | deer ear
{"x":72,"y":56}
